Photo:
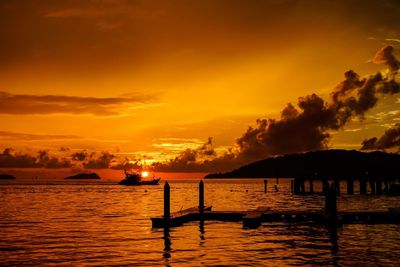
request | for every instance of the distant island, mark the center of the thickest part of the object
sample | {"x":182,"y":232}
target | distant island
{"x":6,"y":177}
{"x":322,"y":164}
{"x":83,"y":176}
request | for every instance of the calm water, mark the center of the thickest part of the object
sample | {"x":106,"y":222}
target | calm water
{"x":64,"y":224}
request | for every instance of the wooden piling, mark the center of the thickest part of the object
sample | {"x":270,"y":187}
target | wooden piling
{"x":333,"y":200}
{"x":379,"y":190}
{"x":302,"y":186}
{"x":291,"y":186}
{"x":372,"y":185}
{"x":296,"y":186}
{"x":167,"y":202}
{"x":337,"y":186}
{"x":363,"y":186}
{"x":330,"y":204}
{"x":311,"y":186}
{"x":265,"y":185}
{"x":326,"y":194}
{"x":386,"y":182}
{"x":201,"y":197}
{"x":325,"y":186}
{"x":350,"y":186}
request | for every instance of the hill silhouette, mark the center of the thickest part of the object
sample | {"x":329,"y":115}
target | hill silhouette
{"x":324,"y":164}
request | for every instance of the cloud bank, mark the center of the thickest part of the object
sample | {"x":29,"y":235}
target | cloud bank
{"x":22,"y":104}
{"x":5,"y":135}
{"x":10,"y":159}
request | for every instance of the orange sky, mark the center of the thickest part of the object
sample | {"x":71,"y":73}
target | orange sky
{"x":153,"y":78}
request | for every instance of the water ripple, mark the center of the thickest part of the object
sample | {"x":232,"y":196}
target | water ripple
{"x":108,"y":225}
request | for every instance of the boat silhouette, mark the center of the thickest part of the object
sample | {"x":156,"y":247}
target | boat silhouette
{"x":136,"y":178}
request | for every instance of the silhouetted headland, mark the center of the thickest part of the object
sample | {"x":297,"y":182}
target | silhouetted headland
{"x":6,"y":177}
{"x":324,"y":164}
{"x":83,"y":176}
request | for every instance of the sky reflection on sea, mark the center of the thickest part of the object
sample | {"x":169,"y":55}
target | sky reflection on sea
{"x":102,"y":224}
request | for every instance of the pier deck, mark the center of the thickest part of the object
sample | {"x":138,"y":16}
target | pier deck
{"x":254,"y":218}
{"x":178,"y":218}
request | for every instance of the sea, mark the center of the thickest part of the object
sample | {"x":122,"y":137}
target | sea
{"x":94,"y":223}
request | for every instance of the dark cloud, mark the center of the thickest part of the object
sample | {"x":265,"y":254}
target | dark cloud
{"x":5,"y":135}
{"x":390,"y":139}
{"x":385,"y":56}
{"x":357,"y":104}
{"x":351,"y":82}
{"x":20,"y":104}
{"x":390,"y":87}
{"x":106,"y":160}
{"x":46,"y":161}
{"x":190,"y":160}
{"x":10,"y":159}
{"x":307,"y":127}
{"x":79,"y":156}
{"x":303,"y":128}
{"x":126,"y":164}
{"x":101,"y":162}
{"x":369,"y":144}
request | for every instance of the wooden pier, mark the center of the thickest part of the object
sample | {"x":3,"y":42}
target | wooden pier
{"x":254,"y":218}
{"x":368,"y":184}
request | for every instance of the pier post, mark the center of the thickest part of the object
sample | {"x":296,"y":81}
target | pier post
{"x":391,"y":182}
{"x":296,"y":186}
{"x":291,"y":186}
{"x":378,"y":186}
{"x":201,"y":197}
{"x":167,"y":203}
{"x":350,"y":186}
{"x":265,"y":185}
{"x":325,"y":186}
{"x":386,"y":182}
{"x":337,"y":186}
{"x":333,"y":200}
{"x":372,"y":185}
{"x":311,"y":186}
{"x":363,"y":186}
{"x":330,"y":204}
{"x":302,"y":186}
{"x":326,"y":193}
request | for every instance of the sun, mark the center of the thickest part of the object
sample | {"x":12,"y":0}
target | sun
{"x":145,"y":174}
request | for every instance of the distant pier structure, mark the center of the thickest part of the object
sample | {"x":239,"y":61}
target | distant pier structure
{"x":352,"y":171}
{"x":377,"y":184}
{"x":369,"y":182}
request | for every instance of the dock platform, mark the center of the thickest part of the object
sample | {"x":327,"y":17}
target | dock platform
{"x":254,"y":218}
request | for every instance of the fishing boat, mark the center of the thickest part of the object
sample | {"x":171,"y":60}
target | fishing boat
{"x":136,"y":178}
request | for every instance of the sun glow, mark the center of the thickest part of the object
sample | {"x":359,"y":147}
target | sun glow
{"x":145,"y":174}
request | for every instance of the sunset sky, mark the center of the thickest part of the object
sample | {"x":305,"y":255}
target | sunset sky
{"x":105,"y":83}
